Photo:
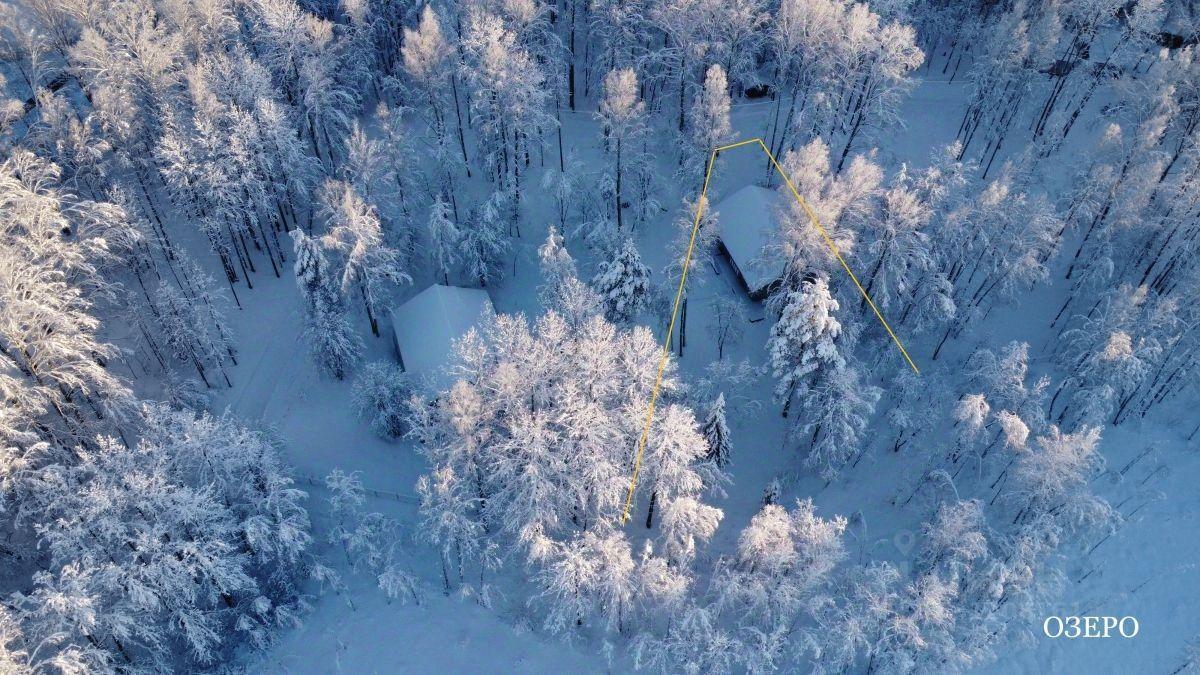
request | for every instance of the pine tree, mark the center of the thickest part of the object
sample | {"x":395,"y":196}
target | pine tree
{"x":380,"y":397}
{"x":444,"y":238}
{"x":555,"y":262}
{"x":333,"y":343}
{"x":716,"y":432}
{"x":803,"y":345}
{"x":623,"y":283}
{"x":561,"y":289}
{"x":485,"y":240}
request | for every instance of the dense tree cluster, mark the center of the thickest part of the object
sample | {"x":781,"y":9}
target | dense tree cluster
{"x":531,"y":450}
{"x":155,"y":155}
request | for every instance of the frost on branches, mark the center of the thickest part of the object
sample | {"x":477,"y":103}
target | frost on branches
{"x":532,"y":452}
{"x":332,"y":341}
{"x":623,"y":283}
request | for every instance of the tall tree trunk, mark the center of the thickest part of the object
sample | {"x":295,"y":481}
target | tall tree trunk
{"x":462,"y":141}
{"x":620,"y":219}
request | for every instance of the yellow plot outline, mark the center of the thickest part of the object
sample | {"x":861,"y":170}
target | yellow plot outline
{"x":687,"y":260}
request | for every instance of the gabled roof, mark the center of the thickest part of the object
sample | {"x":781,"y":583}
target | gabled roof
{"x":747,"y":223}
{"x":427,"y":326}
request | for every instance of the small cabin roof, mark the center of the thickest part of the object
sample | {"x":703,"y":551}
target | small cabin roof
{"x":427,"y":325}
{"x":747,"y":223}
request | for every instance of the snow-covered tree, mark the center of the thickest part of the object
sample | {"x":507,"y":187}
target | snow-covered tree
{"x":243,"y":466}
{"x":555,"y":262}
{"x":622,"y":112}
{"x":1052,"y":480}
{"x":873,"y":65}
{"x":695,"y":642}
{"x":955,"y":541}
{"x":1002,"y":374}
{"x":782,"y":571}
{"x":695,"y":234}
{"x":716,"y":432}
{"x":687,"y":523}
{"x":857,"y":622}
{"x":13,"y":658}
{"x":561,"y":289}
{"x":623,"y":283}
{"x":837,"y":409}
{"x":841,"y":203}
{"x":1113,"y":351}
{"x":197,"y":511}
{"x":803,"y":344}
{"x":728,"y":323}
{"x":673,"y":449}
{"x":381,"y":394}
{"x":970,"y":415}
{"x":996,"y":247}
{"x":430,"y":60}
{"x":564,"y":184}
{"x":444,"y":238}
{"x":327,"y":104}
{"x":333,"y":343}
{"x":567,"y":579}
{"x":193,"y":329}
{"x":708,"y":122}
{"x":371,"y":169}
{"x":1191,"y":657}
{"x":537,"y":434}
{"x":898,"y":245}
{"x":367,"y":539}
{"x":593,"y":574}
{"x":919,"y":634}
{"x":449,"y":518}
{"x":485,"y":239}
{"x":52,"y":248}
{"x":365,"y":261}
{"x":509,"y":95}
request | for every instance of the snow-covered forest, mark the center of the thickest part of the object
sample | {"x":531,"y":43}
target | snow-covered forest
{"x":329,"y":331}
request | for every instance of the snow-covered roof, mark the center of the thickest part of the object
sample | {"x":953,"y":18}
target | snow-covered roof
{"x":427,"y":326}
{"x":747,"y":223}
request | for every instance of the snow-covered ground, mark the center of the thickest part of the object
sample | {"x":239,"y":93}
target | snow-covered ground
{"x":246,"y":123}
{"x":1144,"y":570}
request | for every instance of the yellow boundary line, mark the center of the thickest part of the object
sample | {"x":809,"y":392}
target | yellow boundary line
{"x":687,"y":260}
